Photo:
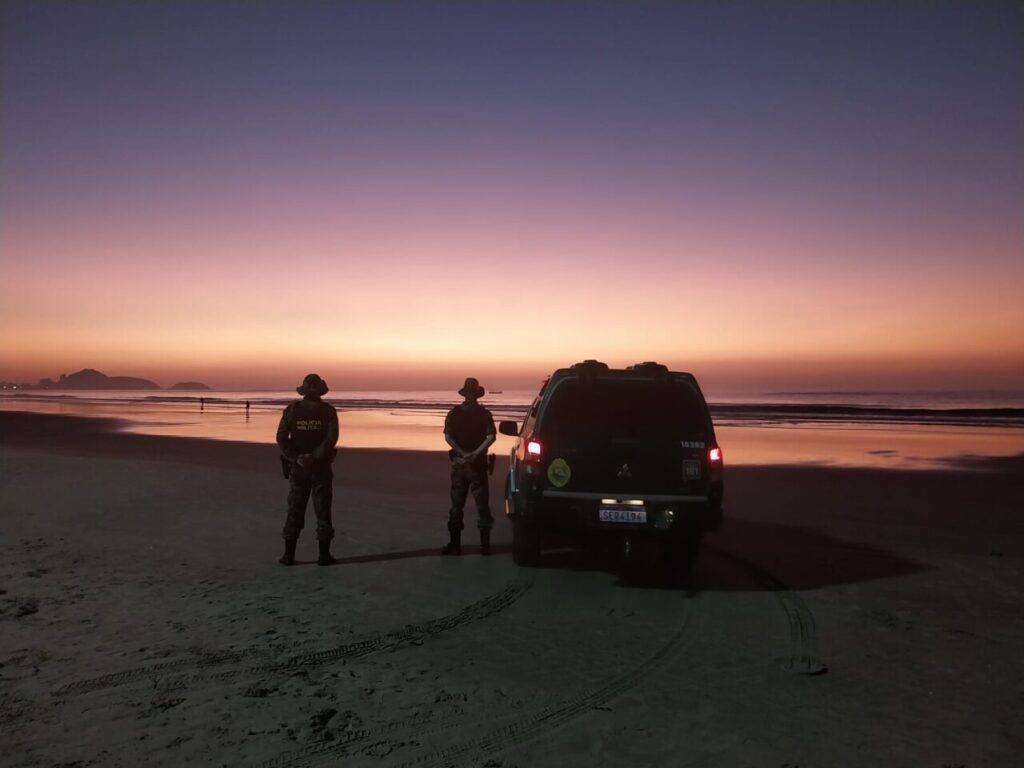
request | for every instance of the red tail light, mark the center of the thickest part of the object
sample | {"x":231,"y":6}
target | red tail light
{"x":715,"y":455}
{"x":533,"y":450}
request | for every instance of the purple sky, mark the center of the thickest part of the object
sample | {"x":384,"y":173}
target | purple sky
{"x":395,"y":192}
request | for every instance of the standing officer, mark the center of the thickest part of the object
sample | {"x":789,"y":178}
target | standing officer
{"x":306,"y":436}
{"x":469,"y":432}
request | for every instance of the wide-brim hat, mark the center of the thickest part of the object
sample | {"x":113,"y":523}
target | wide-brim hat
{"x":312,"y":385}
{"x":472,"y":388}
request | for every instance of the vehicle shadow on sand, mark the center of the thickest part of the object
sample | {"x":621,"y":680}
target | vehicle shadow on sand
{"x":745,"y":556}
{"x":742,"y":556}
{"x":409,"y":554}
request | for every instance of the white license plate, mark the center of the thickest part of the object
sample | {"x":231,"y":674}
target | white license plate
{"x":622,"y":514}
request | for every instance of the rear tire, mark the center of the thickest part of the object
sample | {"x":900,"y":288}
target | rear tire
{"x":525,"y":541}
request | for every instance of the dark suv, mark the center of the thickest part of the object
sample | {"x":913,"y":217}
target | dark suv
{"x":615,"y":454}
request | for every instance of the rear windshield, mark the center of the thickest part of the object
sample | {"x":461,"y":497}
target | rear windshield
{"x":624,"y":408}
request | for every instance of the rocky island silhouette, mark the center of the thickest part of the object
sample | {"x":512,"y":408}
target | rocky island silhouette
{"x":90,"y":378}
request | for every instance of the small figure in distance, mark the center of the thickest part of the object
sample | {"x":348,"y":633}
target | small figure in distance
{"x":202,"y":403}
{"x":247,"y":410}
{"x":469,"y":432}
{"x":307,"y":436}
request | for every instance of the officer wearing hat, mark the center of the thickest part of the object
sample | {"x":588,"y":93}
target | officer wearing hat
{"x":469,"y":432}
{"x":307,"y":436}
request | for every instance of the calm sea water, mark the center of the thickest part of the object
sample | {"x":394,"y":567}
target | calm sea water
{"x":901,"y":429}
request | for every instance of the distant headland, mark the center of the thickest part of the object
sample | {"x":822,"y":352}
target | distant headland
{"x":191,"y":385}
{"x":90,"y":378}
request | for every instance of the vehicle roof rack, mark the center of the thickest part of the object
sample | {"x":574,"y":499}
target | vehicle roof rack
{"x":648,"y":367}
{"x":590,"y":365}
{"x":588,"y":370}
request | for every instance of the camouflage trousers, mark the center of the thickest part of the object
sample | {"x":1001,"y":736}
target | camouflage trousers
{"x":302,"y":483}
{"x":468,"y":478}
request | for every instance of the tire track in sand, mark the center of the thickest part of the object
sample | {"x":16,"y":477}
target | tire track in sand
{"x":803,"y":641}
{"x":525,"y":726}
{"x":414,"y":634}
{"x":802,"y":658}
{"x":548,"y":718}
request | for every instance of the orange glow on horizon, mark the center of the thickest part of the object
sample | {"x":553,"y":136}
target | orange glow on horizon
{"x":403,"y":215}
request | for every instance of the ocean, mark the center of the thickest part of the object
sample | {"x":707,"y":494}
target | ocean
{"x":896,"y":429}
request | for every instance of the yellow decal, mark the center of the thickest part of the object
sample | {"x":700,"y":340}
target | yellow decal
{"x":559,"y":473}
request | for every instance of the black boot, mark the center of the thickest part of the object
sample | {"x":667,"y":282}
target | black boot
{"x":485,"y":541}
{"x":288,"y":558}
{"x":326,"y":558}
{"x":453,"y":547}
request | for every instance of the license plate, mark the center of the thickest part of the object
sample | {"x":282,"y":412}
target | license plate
{"x":624,"y":513}
{"x":691,"y":470}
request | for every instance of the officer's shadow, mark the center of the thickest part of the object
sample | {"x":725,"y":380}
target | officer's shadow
{"x":467,"y":551}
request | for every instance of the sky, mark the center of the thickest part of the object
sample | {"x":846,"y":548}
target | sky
{"x":398,"y":194}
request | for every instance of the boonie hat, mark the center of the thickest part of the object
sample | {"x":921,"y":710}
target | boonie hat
{"x":312,"y":385}
{"x":472,"y":385}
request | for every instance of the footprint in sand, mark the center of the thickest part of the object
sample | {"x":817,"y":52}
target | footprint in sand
{"x":18,"y":607}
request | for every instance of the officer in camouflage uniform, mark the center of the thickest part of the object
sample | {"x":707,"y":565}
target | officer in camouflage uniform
{"x":469,"y":432}
{"x":307,"y":436}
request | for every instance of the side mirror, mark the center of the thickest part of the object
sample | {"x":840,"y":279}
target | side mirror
{"x":509,"y":428}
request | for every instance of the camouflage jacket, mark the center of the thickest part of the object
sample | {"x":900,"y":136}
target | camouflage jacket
{"x":308,"y":426}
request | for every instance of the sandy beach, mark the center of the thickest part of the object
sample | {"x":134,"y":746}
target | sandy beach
{"x":841,"y":617}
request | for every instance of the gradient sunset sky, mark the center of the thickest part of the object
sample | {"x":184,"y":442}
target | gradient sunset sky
{"x":399,"y":194}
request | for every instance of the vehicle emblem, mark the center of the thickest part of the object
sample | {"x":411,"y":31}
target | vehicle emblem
{"x":625,"y":473}
{"x":559,"y":473}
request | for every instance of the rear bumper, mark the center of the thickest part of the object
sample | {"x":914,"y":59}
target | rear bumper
{"x":655,"y":498}
{"x":573,"y":512}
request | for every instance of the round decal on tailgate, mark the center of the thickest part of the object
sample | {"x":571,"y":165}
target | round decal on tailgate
{"x":559,"y":473}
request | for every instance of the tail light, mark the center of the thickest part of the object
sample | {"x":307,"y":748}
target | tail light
{"x":534,"y":450}
{"x":715,"y":455}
